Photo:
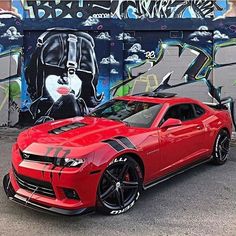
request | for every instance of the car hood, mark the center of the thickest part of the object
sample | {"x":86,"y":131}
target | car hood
{"x":76,"y":133}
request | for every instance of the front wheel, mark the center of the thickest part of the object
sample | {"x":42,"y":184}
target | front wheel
{"x":221,"y":148}
{"x":120,"y":186}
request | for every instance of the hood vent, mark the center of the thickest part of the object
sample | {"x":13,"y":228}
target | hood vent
{"x":66,"y":128}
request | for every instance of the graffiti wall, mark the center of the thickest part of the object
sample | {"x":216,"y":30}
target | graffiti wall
{"x":61,"y":58}
{"x":11,"y":37}
{"x":135,"y":9}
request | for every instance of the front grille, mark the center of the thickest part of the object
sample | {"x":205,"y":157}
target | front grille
{"x":32,"y":157}
{"x":36,"y":186}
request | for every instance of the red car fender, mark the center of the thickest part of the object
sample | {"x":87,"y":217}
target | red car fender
{"x":219,"y":120}
{"x":107,"y":155}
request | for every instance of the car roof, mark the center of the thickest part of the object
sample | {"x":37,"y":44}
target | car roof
{"x":171,"y":99}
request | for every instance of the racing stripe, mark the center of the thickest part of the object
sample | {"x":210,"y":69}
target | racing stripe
{"x":126,"y":142}
{"x":113,"y":143}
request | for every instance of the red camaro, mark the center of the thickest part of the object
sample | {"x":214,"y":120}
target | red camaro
{"x":104,"y":160}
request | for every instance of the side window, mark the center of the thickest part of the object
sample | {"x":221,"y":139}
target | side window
{"x":182,"y":112}
{"x":199,"y":110}
{"x":173,"y":112}
{"x":186,"y":112}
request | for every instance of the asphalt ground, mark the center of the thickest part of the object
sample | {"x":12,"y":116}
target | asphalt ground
{"x":199,"y":202}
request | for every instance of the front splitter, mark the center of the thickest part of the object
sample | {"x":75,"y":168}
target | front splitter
{"x":13,"y":196}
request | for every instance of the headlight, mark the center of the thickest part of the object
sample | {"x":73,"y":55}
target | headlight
{"x":68,"y":162}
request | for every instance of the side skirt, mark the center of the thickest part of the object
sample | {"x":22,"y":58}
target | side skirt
{"x":180,"y":171}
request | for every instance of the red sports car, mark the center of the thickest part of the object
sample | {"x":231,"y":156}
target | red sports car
{"x":104,"y":160}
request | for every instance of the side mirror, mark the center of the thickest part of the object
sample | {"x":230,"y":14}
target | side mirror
{"x":171,"y":123}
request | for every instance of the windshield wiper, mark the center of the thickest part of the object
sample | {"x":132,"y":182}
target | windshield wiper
{"x":126,"y":122}
{"x":122,"y":121}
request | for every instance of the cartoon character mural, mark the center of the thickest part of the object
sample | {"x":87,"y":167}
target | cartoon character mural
{"x":62,"y":75}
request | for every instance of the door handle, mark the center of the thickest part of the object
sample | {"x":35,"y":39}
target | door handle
{"x":199,"y":127}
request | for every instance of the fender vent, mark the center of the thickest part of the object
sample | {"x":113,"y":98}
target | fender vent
{"x":66,"y":128}
{"x":126,"y":142}
{"x":113,"y":143}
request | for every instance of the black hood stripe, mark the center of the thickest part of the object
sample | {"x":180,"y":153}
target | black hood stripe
{"x":126,"y":142}
{"x":114,"y":144}
{"x":66,"y":128}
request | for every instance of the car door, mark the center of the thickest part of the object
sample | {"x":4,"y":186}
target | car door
{"x":182,"y":144}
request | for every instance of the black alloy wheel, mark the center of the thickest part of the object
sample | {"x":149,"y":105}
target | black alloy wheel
{"x":119,"y":186}
{"x":221,"y":148}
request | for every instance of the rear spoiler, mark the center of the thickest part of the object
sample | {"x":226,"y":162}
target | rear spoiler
{"x":216,"y":105}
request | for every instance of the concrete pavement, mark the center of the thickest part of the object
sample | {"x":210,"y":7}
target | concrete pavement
{"x":201,"y":201}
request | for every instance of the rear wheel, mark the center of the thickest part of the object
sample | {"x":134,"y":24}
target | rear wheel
{"x":120,"y":186}
{"x":221,"y":148}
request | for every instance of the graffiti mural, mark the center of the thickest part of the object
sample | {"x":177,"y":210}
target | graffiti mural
{"x":231,"y":12}
{"x":66,"y":9}
{"x":10,"y":74}
{"x":5,"y":5}
{"x":165,"y":9}
{"x":173,"y":60}
{"x":7,"y":10}
{"x":121,"y":9}
{"x":62,"y":73}
{"x":174,"y":57}
{"x":116,"y":47}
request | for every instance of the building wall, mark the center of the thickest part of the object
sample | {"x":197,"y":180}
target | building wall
{"x":60,"y":58}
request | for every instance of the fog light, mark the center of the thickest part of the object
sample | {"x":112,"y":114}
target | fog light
{"x":71,"y":193}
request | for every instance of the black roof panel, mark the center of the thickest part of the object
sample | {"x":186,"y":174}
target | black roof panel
{"x":156,"y":95}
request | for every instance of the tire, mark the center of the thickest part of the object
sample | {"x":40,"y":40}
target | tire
{"x":221,"y":148}
{"x":120,"y":186}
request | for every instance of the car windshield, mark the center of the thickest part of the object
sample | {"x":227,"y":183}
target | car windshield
{"x":132,"y":113}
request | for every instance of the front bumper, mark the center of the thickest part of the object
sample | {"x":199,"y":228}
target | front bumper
{"x":27,"y":202}
{"x":45,"y":187}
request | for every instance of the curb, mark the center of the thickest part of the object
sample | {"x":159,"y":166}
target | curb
{"x":234,"y":136}
{"x":233,"y":139}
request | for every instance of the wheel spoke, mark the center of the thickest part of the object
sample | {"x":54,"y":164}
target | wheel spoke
{"x":225,"y":150}
{"x":120,"y":197}
{"x":224,"y":140}
{"x":129,"y":185}
{"x":219,"y":152}
{"x":110,"y":176}
{"x":108,"y":193}
{"x":123,"y":171}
